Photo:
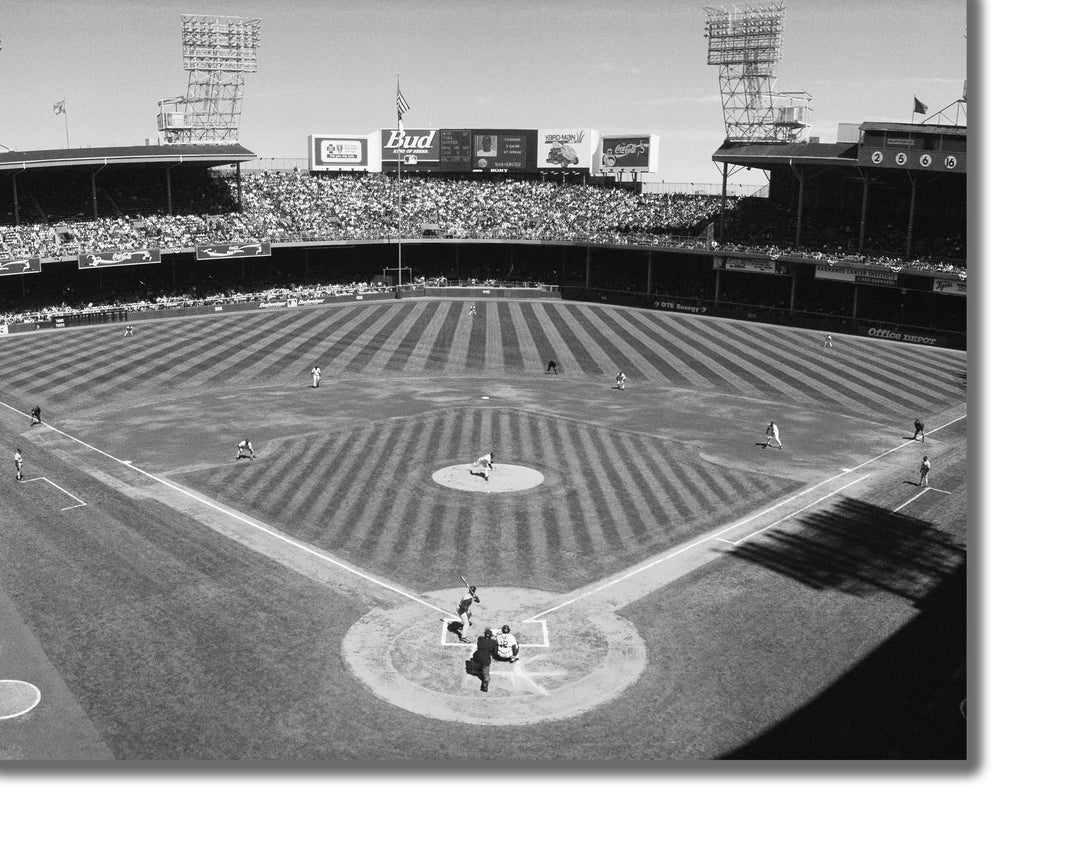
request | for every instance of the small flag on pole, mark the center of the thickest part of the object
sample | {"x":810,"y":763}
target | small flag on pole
{"x":920,"y":107}
{"x":402,"y":103}
{"x":59,"y":108}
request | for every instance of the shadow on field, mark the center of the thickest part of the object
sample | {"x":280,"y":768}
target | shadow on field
{"x":857,"y":548}
{"x":906,"y":700}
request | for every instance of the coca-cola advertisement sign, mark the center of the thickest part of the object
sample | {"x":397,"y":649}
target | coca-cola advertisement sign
{"x":628,"y":153}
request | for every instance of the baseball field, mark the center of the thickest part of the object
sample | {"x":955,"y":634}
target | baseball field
{"x":681,"y":590}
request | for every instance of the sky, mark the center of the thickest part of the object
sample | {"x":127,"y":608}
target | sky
{"x":330,"y":66}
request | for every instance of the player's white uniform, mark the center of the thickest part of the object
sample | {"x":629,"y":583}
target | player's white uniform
{"x":316,"y":376}
{"x":241,"y":447}
{"x":772,"y":433}
{"x":620,"y":380}
{"x":18,"y":466}
{"x":464,"y":613}
{"x":486,"y":464}
{"x":508,"y":646}
{"x":828,"y":340}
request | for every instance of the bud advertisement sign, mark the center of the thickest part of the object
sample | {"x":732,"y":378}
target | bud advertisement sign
{"x":565,"y":148}
{"x":338,"y":153}
{"x":421,"y":144}
{"x":628,"y":153}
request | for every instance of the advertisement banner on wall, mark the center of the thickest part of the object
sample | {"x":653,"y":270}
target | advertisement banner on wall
{"x":236,"y":251}
{"x":757,"y":266}
{"x":27,"y":265}
{"x":338,"y":153}
{"x":853,"y":274}
{"x":950,"y":287}
{"x":565,"y":148}
{"x":413,"y":146}
{"x":106,"y":259}
{"x":628,"y":153}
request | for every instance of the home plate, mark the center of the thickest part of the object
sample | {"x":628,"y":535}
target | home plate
{"x":505,"y":478}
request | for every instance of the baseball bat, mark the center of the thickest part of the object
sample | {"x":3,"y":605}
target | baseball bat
{"x":466,"y":583}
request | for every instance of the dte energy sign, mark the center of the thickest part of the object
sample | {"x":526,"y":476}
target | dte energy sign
{"x":338,"y":153}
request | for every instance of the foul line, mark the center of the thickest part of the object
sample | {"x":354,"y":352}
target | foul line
{"x":702,"y":541}
{"x":241,"y":518}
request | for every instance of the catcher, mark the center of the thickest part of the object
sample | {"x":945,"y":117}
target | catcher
{"x":508,"y":645}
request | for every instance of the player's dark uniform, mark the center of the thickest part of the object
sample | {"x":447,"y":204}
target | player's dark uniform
{"x":485,"y":648}
{"x":919,"y":431}
{"x":35,"y":416}
{"x":552,"y":367}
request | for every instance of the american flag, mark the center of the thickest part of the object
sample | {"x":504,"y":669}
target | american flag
{"x":59,"y":108}
{"x":402,"y":104}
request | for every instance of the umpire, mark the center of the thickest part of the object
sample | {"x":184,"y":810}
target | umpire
{"x":485,"y":647}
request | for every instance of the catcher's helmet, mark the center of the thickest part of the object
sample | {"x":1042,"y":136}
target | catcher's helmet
{"x":506,"y":629}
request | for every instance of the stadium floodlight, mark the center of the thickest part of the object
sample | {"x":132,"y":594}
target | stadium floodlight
{"x":747,"y":44}
{"x":217,"y":52}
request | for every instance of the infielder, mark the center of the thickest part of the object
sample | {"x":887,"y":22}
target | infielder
{"x":245,"y":449}
{"x":924,"y":472}
{"x":18,"y":464}
{"x":919,"y":431}
{"x":486,"y":464}
{"x":35,"y":415}
{"x":772,"y":433}
{"x":316,"y":376}
{"x":620,"y":381}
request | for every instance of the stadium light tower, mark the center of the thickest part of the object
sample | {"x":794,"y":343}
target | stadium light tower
{"x":217,"y":51}
{"x":747,"y":45}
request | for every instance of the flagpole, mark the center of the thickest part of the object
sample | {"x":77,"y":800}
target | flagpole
{"x":397,"y":105}
{"x":67,"y":138}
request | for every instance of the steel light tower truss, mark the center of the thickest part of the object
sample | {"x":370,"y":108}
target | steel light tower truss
{"x":218,"y":51}
{"x":747,"y":45}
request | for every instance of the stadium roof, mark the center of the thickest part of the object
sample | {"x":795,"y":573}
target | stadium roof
{"x":933,"y":129}
{"x":209,"y":155}
{"x":772,"y":155}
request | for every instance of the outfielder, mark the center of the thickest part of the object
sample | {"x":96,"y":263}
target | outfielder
{"x":316,"y":376}
{"x":772,"y":432}
{"x":620,"y":381}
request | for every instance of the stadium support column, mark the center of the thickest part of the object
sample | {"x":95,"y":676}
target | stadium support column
{"x":648,"y":274}
{"x":239,"y":189}
{"x":168,"y":187}
{"x":914,"y":177}
{"x":93,"y":189}
{"x":862,"y":213}
{"x":723,"y":199}
{"x":588,"y":265}
{"x":799,"y":207}
{"x":15,"y":195}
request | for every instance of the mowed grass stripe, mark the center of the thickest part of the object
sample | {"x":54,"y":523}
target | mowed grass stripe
{"x":273,"y":472}
{"x":659,"y":475}
{"x":370,"y":342}
{"x":188,"y":368}
{"x":244,"y":368}
{"x":324,"y":452}
{"x":857,"y":387}
{"x":532,"y":450}
{"x":598,"y":352}
{"x":590,"y":474}
{"x":616,"y":323}
{"x":533,"y":337}
{"x":339,"y":481}
{"x":438,"y":358}
{"x":461,"y":337}
{"x":555,"y":443}
{"x":414,"y":338}
{"x":709,"y":339}
{"x":355,"y":501}
{"x":667,"y":345}
{"x":405,"y":525}
{"x":532,"y":357}
{"x":708,"y":353}
{"x":296,"y":355}
{"x":511,"y":352}
{"x":618,"y":349}
{"x":640,"y":508}
{"x":643,"y":485}
{"x":550,"y":318}
{"x":770,"y":380}
{"x":493,"y":357}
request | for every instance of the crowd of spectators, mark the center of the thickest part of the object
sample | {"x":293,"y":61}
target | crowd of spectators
{"x":296,"y":206}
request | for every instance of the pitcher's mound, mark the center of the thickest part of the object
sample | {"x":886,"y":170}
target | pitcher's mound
{"x":505,"y":478}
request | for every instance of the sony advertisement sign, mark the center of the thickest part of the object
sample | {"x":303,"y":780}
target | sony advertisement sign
{"x":338,"y":153}
{"x":637,"y":153}
{"x":565,"y":148}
